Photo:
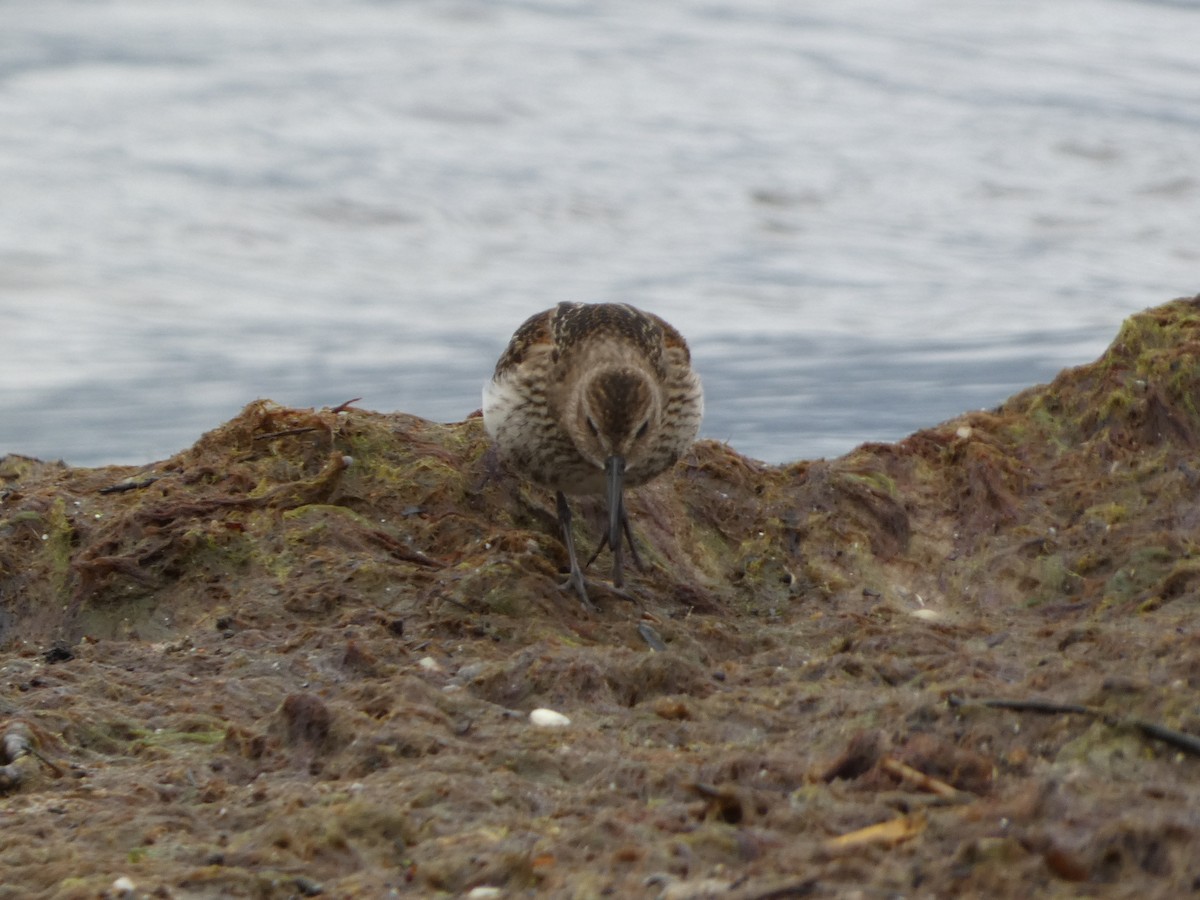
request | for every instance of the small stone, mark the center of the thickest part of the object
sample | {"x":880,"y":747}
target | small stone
{"x":548,"y":718}
{"x":124,"y":887}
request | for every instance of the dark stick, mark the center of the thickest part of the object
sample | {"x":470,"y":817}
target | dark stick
{"x":1038,"y":706}
{"x":123,"y":486}
{"x":1180,"y":740}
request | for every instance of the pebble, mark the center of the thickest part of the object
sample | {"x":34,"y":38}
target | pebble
{"x":548,"y":718}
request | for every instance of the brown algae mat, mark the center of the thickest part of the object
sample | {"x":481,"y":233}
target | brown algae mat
{"x":298,"y":659}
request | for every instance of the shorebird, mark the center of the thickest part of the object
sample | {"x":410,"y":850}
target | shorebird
{"x":591,"y":399}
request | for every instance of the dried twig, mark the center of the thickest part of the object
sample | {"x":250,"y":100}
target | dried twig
{"x":1180,"y":740}
{"x":125,"y":565}
{"x":804,"y":888}
{"x":400,"y":550}
{"x":1031,"y":705}
{"x":920,"y":780}
{"x":886,"y":833}
{"x":287,"y":432}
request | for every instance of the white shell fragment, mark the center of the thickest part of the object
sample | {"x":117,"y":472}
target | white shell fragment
{"x":926,"y":614}
{"x":548,"y":718}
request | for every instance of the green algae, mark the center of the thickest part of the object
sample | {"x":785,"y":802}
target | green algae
{"x":58,"y":539}
{"x":167,"y":738}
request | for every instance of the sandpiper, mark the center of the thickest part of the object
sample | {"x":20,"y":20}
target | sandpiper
{"x":589,"y":399}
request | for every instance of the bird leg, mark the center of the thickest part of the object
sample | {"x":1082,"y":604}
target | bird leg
{"x":575,"y":579}
{"x":604,"y":542}
{"x":637,"y":560}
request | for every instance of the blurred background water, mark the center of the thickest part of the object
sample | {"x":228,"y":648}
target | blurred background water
{"x":865,"y":217}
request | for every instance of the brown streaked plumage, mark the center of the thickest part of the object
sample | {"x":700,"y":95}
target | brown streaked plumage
{"x":589,"y":399}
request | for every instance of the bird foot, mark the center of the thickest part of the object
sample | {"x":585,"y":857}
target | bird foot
{"x":575,"y":580}
{"x":576,"y":583}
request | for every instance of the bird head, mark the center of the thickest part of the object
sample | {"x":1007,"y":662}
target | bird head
{"x":617,"y":415}
{"x":617,"y":419}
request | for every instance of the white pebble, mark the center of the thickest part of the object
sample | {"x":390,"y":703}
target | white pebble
{"x":124,"y":886}
{"x":429,"y":664}
{"x":926,"y":614}
{"x":548,"y":718}
{"x":483,"y":893}
{"x":964,"y":432}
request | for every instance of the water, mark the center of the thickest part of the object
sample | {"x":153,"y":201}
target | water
{"x":866,"y":218}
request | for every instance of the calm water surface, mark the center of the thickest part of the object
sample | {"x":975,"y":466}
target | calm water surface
{"x":866,"y":217}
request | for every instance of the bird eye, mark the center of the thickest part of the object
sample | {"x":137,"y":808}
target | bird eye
{"x":592,"y":427}
{"x":641,"y":432}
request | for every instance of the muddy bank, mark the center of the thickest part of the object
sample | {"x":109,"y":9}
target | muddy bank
{"x":298,"y":659}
